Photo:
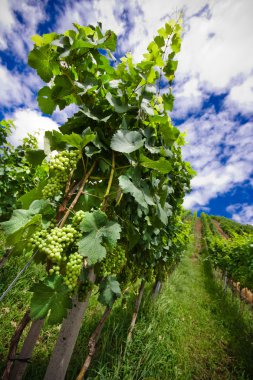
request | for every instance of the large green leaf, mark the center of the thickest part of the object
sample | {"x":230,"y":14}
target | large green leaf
{"x":98,"y":231}
{"x":19,"y":239}
{"x":110,"y":41}
{"x":176,"y":43}
{"x":50,"y":299}
{"x":78,"y":141}
{"x":168,"y":101}
{"x":19,"y":220}
{"x":46,"y":103}
{"x":62,"y":87}
{"x":170,"y":69}
{"x":109,"y":291}
{"x":23,"y":223}
{"x":162,"y":165}
{"x":126,"y":142}
{"x":169,"y":133}
{"x":39,"y":59}
{"x":117,"y":103}
{"x":139,"y":191}
{"x":32,"y":195}
{"x":45,"y":40}
{"x":35,"y":157}
{"x":53,"y":141}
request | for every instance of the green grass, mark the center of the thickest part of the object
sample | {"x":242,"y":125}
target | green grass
{"x":193,"y":330}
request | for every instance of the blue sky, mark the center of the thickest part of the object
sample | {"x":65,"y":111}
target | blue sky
{"x":213,"y":87}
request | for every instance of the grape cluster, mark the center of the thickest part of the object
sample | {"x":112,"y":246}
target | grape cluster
{"x":78,"y":217}
{"x":113,"y":263}
{"x":73,"y":269}
{"x":60,"y":166}
{"x":54,"y":244}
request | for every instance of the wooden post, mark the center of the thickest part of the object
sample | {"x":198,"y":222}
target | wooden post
{"x":156,"y":289}
{"x":66,"y":341}
{"x":136,"y":310}
{"x":14,"y":345}
{"x":225,"y":282}
{"x":27,"y":349}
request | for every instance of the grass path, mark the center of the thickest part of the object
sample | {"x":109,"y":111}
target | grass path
{"x":192,"y":331}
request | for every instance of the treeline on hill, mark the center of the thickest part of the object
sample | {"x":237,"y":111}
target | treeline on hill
{"x":232,"y":252}
{"x":107,"y":214}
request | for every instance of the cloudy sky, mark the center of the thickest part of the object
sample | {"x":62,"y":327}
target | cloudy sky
{"x":213,"y":87}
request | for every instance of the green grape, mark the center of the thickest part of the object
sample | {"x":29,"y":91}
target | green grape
{"x":73,"y":269}
{"x":113,"y":263}
{"x":60,"y":166}
{"x":78,"y":217}
{"x":54,"y":243}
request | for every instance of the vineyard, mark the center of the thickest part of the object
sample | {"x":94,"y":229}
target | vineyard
{"x":104,"y":275}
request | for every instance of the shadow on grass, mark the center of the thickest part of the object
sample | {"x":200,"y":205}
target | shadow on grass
{"x":238,"y":324}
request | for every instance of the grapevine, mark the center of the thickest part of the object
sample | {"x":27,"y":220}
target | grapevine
{"x":115,"y":180}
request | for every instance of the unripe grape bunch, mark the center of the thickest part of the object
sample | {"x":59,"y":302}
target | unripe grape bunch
{"x":55,"y":243}
{"x":73,"y":269}
{"x":113,"y":262}
{"x":60,"y":166}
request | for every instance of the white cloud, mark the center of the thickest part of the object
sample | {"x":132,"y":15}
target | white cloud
{"x":240,"y":97}
{"x":87,"y":12}
{"x":216,"y":48}
{"x":221,"y":152}
{"x":189,"y":98}
{"x":29,"y":121}
{"x":17,"y":89}
{"x":241,"y":213}
{"x":19,"y":20}
{"x":6,"y":22}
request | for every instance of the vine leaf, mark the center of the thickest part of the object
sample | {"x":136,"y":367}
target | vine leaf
{"x":18,"y":239}
{"x":39,"y":59}
{"x":32,"y":195}
{"x":46,"y":103}
{"x":98,"y":231}
{"x":109,"y":291}
{"x":43,"y":40}
{"x":62,"y":87}
{"x":116,"y":103}
{"x":18,"y":220}
{"x":50,"y":299}
{"x":162,"y":165}
{"x":23,"y":223}
{"x":140,"y":191}
{"x":169,"y":133}
{"x":126,"y":142}
{"x":168,"y":101}
{"x":35,"y":157}
{"x":77,"y":141}
{"x":163,"y":212}
{"x":53,"y":141}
